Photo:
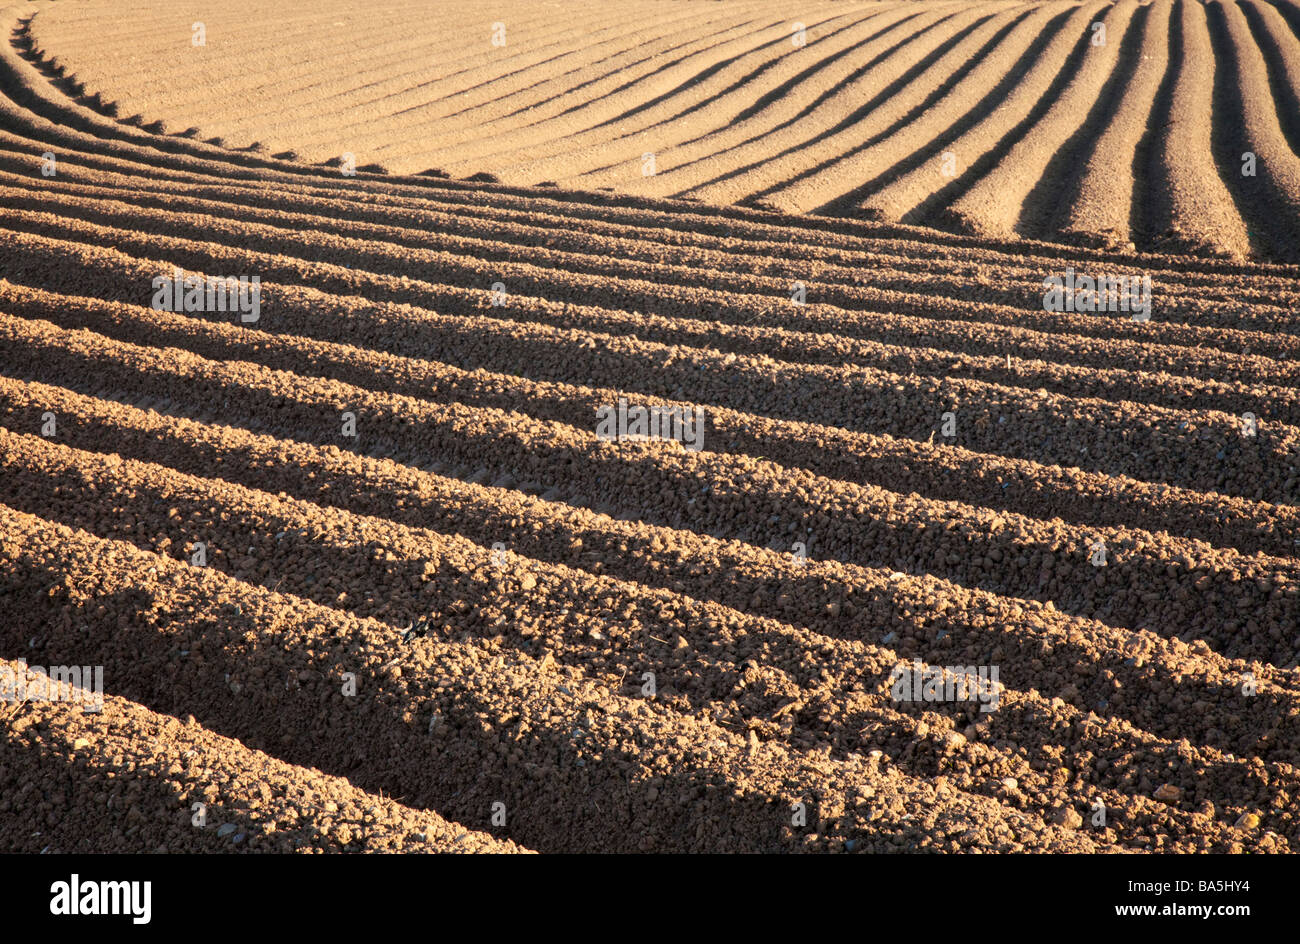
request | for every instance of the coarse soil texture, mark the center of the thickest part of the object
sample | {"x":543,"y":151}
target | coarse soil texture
{"x":360,"y":572}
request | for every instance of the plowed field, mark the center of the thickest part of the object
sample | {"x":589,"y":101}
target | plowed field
{"x":1120,"y":125}
{"x":362,"y":574}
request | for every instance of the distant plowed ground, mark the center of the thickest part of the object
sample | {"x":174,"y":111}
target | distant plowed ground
{"x":1104,"y":124}
{"x":362,"y":572}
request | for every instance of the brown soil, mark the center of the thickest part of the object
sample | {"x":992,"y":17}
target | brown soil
{"x":995,"y":117}
{"x":435,"y":635}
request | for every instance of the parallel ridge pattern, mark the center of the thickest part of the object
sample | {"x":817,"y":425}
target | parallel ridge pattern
{"x":1113,"y":125}
{"x":180,"y":768}
{"x":525,"y":683}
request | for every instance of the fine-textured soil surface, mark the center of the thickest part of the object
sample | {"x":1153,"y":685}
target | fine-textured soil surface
{"x":434,"y":611}
{"x":1103,"y":124}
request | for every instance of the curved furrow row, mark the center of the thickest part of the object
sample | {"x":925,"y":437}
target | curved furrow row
{"x":158,"y":770}
{"x":1272,"y":187}
{"x":963,"y":114}
{"x":760,"y":104}
{"x":915,"y":193}
{"x":997,"y":202}
{"x":738,"y":222}
{"x":524,"y":319}
{"x":1021,"y":285}
{"x":1220,"y":453}
{"x":737,"y":167}
{"x":1244,"y":608}
{"x":841,"y":180}
{"x":687,"y":224}
{"x":414,"y":566}
{"x":505,"y":728}
{"x":490,"y":122}
{"x":918,"y":615}
{"x":381,"y":518}
{"x":1191,"y":209}
{"x":276,"y":253}
{"x":1281,"y":47}
{"x":1103,"y":208}
{"x":945,"y":471}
